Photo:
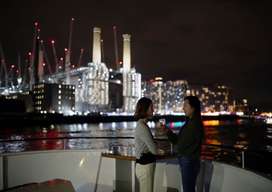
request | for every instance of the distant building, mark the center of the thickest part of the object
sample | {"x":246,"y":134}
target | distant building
{"x":131,"y":90}
{"x":54,"y":98}
{"x":24,"y":97}
{"x":242,"y":105}
{"x":91,"y":82}
{"x":11,"y":105}
{"x":167,"y":96}
{"x":153,"y":90}
{"x":131,"y":79}
{"x":213,"y":98}
{"x":99,"y":89}
{"x":174,"y":93}
{"x":115,"y":90}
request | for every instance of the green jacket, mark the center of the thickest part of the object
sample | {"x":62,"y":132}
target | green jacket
{"x":189,"y":139}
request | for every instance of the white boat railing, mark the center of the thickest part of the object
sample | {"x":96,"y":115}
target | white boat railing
{"x":89,"y":171}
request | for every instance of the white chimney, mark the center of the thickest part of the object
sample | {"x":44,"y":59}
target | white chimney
{"x":126,"y":53}
{"x":96,"y":45}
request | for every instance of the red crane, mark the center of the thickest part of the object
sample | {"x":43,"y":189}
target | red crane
{"x":55,"y":55}
{"x":3,"y":66}
{"x":80,"y":57}
{"x":116,"y":47}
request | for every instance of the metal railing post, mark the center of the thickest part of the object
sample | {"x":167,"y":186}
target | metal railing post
{"x":5,"y":172}
{"x":243,"y":159}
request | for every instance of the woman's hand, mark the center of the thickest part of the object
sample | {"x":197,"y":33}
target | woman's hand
{"x":160,"y":128}
{"x":160,"y":152}
{"x":164,"y":131}
{"x":169,"y":131}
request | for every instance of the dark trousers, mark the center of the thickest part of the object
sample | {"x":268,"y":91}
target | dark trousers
{"x":189,"y":170}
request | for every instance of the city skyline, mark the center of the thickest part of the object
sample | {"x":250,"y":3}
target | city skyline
{"x":226,"y":42}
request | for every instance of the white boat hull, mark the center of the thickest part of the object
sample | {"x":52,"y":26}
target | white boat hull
{"x":88,"y":171}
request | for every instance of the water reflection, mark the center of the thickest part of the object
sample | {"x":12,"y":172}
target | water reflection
{"x":233,"y":136}
{"x":14,"y":146}
{"x":228,"y":133}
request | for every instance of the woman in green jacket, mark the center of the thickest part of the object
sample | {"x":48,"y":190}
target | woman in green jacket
{"x":188,"y":143}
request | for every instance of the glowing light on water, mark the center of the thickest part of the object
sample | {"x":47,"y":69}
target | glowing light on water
{"x":211,"y":123}
{"x":240,"y":113}
{"x":210,"y":113}
{"x":113,"y":125}
{"x":267,"y":114}
{"x":268,"y":120}
{"x":44,"y":130}
{"x":85,"y":126}
{"x":175,"y":124}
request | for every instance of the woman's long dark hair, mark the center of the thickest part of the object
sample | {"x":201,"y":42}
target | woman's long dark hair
{"x":194,"y":103}
{"x":141,"y":108}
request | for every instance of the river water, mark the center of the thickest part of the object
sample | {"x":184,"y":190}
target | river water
{"x":224,"y":140}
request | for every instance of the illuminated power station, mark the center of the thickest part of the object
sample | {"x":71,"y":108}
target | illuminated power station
{"x":131,"y":79}
{"x":54,"y":98}
{"x":96,"y":87}
{"x":92,"y":82}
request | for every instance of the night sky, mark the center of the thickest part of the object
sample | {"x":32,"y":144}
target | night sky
{"x":205,"y":42}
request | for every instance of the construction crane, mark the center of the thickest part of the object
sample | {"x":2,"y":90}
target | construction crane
{"x":19,"y":66}
{"x":46,"y":57}
{"x":19,"y":71}
{"x":68,"y":53}
{"x":65,"y":59}
{"x":41,"y":64}
{"x":55,"y":55}
{"x":25,"y":72}
{"x":60,"y":64}
{"x":11,"y":75}
{"x":116,"y":47}
{"x":3,"y":66}
{"x":80,"y":57}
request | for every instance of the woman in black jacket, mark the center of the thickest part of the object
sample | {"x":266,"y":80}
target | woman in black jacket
{"x":188,"y":143}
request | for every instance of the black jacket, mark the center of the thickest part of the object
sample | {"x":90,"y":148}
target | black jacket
{"x":189,"y":139}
